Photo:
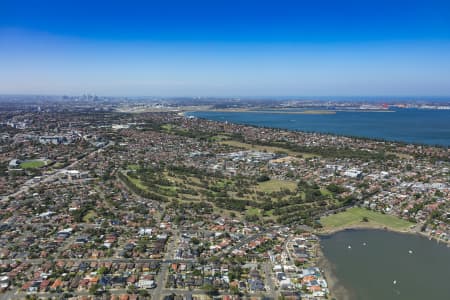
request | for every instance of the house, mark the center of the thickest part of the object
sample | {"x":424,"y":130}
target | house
{"x":4,"y":282}
{"x":146,"y":284}
{"x":353,"y":173}
{"x":57,"y":284}
{"x":44,"y":285}
{"x":14,"y":163}
{"x":56,"y":140}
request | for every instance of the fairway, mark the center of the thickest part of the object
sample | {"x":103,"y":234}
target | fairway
{"x":352,"y":217}
{"x":90,"y":216}
{"x":252,"y":211}
{"x":272,"y":149}
{"x":133,"y":167}
{"x":138,"y":183}
{"x":32,"y":164}
{"x":275,"y":185}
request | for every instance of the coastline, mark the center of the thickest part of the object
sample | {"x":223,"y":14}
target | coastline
{"x":336,"y":290}
{"x":330,"y":231}
{"x":360,"y":136}
{"x":287,"y":112}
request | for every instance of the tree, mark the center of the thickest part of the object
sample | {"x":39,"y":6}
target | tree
{"x":210,"y":289}
{"x":132,"y":289}
{"x":102,"y":270}
{"x":263,"y":178}
{"x":93,"y":290}
{"x":234,"y":290}
{"x":336,"y":189}
{"x":143,"y":293}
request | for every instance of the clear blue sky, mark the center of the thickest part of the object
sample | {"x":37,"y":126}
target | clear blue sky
{"x":225,"y":48}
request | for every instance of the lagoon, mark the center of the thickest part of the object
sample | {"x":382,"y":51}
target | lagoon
{"x":378,"y":264}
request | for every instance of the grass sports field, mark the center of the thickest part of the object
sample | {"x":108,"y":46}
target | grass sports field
{"x":32,"y":164}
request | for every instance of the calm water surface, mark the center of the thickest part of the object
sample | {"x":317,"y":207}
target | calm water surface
{"x":377,"y":258}
{"x":430,"y":127}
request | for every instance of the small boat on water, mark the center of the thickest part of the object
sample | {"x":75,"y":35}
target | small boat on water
{"x":410,"y":252}
{"x":349,"y":247}
{"x":394,"y":282}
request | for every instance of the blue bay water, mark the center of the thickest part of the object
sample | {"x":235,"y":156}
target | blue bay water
{"x":378,"y":264}
{"x":430,"y":127}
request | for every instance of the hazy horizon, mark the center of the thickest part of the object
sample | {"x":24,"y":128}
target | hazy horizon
{"x":225,"y":48}
{"x":319,"y":99}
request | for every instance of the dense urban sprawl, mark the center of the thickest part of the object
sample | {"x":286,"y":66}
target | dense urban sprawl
{"x":101,"y":204}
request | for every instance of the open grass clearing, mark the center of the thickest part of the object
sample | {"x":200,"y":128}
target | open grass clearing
{"x":353,"y":217}
{"x":138,"y":183}
{"x":133,"y":167}
{"x":272,"y":149}
{"x":32,"y":164}
{"x":90,"y":216}
{"x":253,"y":211}
{"x":58,"y":165}
{"x":220,"y":137}
{"x":167,"y":127}
{"x":275,"y":185}
{"x":401,"y":155}
{"x":171,"y":128}
{"x":326,"y":192}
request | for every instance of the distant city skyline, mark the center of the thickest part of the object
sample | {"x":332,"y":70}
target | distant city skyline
{"x":225,"y":48}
